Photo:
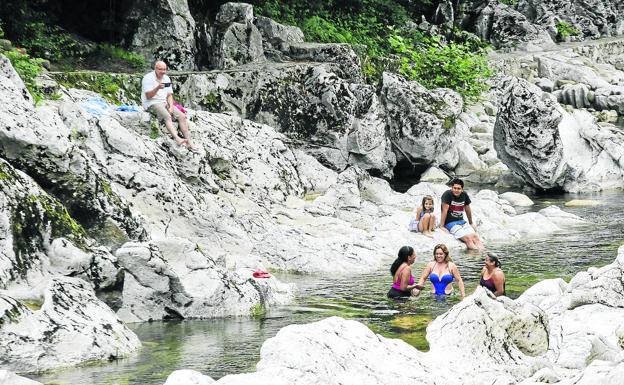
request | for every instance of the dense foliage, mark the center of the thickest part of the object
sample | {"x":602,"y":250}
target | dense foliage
{"x":31,"y":26}
{"x":389,"y":40}
{"x":27,"y":68}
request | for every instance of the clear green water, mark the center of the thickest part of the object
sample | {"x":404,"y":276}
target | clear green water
{"x":220,"y":347}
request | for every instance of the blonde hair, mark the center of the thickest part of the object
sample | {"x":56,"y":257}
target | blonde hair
{"x":442,"y":246}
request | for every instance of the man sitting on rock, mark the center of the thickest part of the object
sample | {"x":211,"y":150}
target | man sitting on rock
{"x":454,"y":203}
{"x":157,"y":98}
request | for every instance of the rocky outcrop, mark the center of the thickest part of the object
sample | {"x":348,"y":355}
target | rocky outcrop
{"x":174,"y":279}
{"x":125,"y":185}
{"x":40,"y":239}
{"x":590,"y":18}
{"x":163,"y":30}
{"x":421,"y":122}
{"x":555,"y":332}
{"x":534,"y":25}
{"x":551,"y":148}
{"x":339,"y":122}
{"x":72,"y":326}
{"x":237,"y":40}
{"x":506,"y":28}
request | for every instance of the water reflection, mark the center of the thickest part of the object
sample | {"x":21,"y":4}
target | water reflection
{"x":226,"y":346}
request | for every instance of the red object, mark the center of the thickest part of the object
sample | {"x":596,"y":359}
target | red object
{"x":261,"y":274}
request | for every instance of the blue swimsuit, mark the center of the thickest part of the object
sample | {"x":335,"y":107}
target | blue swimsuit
{"x":440,"y":283}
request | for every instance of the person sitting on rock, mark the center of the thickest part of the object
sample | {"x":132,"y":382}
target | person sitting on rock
{"x":454,"y":203}
{"x":442,"y":272}
{"x":401,"y":271}
{"x":425,"y":219}
{"x":157,"y":98}
{"x":492,"y":276}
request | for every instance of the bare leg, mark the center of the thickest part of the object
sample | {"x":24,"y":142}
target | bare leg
{"x":477,"y":242}
{"x":432,"y":222}
{"x":426,"y":224}
{"x":183,"y":123}
{"x":174,"y":132}
{"x":467,"y":239}
{"x":421,"y":224}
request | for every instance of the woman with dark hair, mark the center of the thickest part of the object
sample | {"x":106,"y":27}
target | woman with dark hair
{"x":401,"y":271}
{"x":492,"y":276}
{"x":442,"y":272}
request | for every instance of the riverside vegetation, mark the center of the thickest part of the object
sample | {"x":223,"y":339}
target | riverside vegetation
{"x":379,"y":30}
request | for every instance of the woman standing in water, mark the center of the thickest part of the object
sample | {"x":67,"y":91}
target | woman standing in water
{"x":492,"y":276}
{"x":401,"y":271}
{"x":442,"y":272}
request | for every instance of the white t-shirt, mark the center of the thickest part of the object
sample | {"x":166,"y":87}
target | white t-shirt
{"x":150,"y":82}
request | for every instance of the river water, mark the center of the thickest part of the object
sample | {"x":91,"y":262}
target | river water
{"x":228,"y":346}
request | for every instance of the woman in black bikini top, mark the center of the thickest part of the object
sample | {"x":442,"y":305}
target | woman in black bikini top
{"x":492,"y":276}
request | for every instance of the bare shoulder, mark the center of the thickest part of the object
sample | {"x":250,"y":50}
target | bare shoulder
{"x":498,"y":273}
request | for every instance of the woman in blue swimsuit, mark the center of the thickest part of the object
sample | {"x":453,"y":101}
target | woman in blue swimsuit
{"x":442,"y":272}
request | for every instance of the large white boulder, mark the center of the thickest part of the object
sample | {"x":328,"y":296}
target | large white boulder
{"x":72,"y":326}
{"x":9,"y":378}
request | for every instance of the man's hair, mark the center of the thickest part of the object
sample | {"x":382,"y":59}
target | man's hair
{"x":455,"y":181}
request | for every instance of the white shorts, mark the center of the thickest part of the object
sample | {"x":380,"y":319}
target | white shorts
{"x":461,"y":230}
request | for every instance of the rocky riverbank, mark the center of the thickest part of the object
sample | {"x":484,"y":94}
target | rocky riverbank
{"x":292,"y":174}
{"x":556,"y":332}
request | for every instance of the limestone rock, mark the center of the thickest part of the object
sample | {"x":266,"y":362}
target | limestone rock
{"x":72,"y":326}
{"x":551,"y":148}
{"x":237,"y":40}
{"x":590,"y":18}
{"x":163,"y":30}
{"x":278,"y":35}
{"x":181,"y":282}
{"x":40,"y":239}
{"x":9,"y":378}
{"x":434,"y":174}
{"x":7,"y":71}
{"x":526,"y":135}
{"x":324,"y":353}
{"x":517,"y":199}
{"x":188,"y":377}
{"x":507,"y":28}
{"x":421,"y":122}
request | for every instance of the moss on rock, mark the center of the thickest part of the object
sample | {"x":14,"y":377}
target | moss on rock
{"x":115,"y":88}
